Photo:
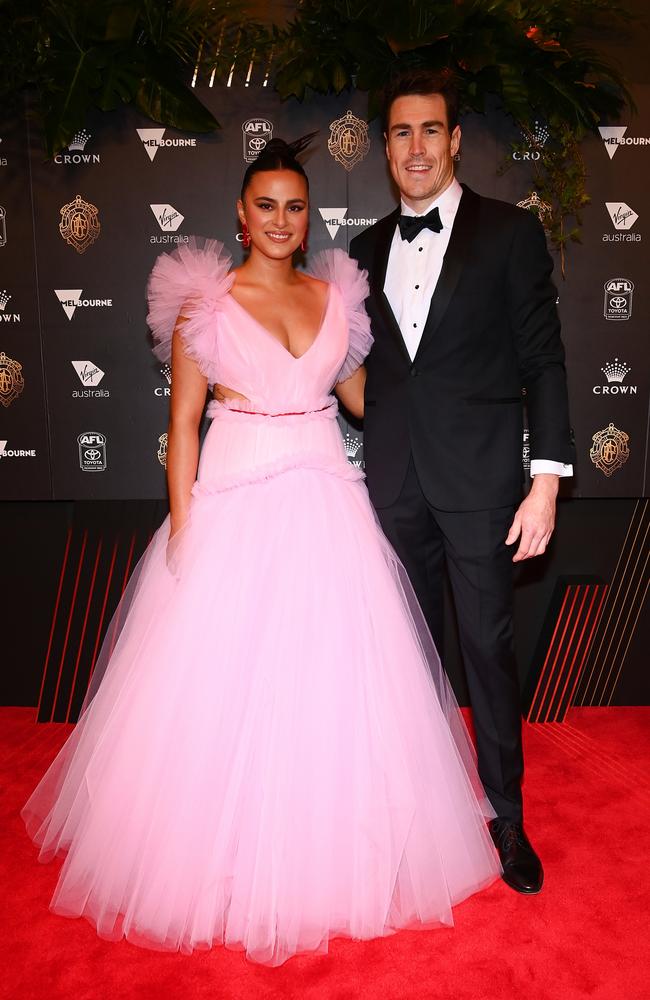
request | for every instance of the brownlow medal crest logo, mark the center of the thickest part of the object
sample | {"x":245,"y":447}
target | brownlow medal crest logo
{"x":349,"y":141}
{"x":609,"y":450}
{"x":80,"y":224}
{"x":11,"y":379}
{"x":162,"y":450}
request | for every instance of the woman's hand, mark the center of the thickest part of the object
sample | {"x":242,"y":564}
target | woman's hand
{"x":350,"y":392}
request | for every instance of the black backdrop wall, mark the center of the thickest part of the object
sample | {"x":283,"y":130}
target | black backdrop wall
{"x":84,"y":405}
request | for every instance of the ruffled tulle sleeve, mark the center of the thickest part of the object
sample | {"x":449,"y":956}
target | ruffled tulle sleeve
{"x":193,"y":278}
{"x":341,"y":270}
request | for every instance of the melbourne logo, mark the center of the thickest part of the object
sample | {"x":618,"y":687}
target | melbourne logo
{"x":257,"y":132}
{"x":3,"y":227}
{"x":92,"y":451}
{"x":334,"y":218}
{"x":70,"y":299}
{"x":615,"y":372}
{"x":16,"y":452}
{"x":349,"y":140}
{"x":5,"y":315}
{"x":610,"y":449}
{"x":80,"y":225}
{"x":76,"y":151}
{"x":536,"y":138}
{"x":154,"y":138}
{"x":11,"y":380}
{"x":618,"y":298}
{"x":614,"y":136}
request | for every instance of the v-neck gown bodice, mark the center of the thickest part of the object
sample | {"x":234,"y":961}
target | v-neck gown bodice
{"x":269,"y":754}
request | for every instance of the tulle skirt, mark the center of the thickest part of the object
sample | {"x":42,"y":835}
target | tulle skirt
{"x":271,"y":756}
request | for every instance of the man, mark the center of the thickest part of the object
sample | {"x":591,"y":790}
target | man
{"x":465,"y":322}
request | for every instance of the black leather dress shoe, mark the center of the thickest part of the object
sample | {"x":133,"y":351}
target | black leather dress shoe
{"x":522,"y":869}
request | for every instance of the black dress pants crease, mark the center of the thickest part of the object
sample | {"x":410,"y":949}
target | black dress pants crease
{"x":471,"y":544}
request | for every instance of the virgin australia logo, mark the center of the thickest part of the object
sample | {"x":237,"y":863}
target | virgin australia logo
{"x":89,"y":373}
{"x":334,"y":218}
{"x":167,"y":217}
{"x":621,"y":214}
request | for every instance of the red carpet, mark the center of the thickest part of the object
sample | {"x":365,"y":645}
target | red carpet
{"x":586,"y":935}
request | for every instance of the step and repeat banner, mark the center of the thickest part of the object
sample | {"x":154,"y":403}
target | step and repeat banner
{"x":83,"y":403}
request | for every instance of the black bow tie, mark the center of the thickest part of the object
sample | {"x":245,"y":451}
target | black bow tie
{"x":411,"y":225}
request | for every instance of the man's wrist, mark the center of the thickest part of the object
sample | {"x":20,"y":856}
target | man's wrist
{"x":546,"y":482}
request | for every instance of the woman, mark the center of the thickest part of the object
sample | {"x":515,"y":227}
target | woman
{"x":271,"y":755}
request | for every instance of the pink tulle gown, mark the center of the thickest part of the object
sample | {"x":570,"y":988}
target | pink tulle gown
{"x":271,"y":756}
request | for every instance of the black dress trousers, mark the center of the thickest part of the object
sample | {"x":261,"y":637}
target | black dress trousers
{"x":471,"y":544}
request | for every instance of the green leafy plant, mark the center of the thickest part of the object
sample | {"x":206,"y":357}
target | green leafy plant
{"x":527,"y":54}
{"x":79,"y":54}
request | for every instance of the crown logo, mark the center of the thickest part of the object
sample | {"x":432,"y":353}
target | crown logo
{"x":537,"y":135}
{"x":615,"y":371}
{"x":4,"y":298}
{"x":353,"y":444}
{"x":166,"y":373}
{"x":79,"y":141}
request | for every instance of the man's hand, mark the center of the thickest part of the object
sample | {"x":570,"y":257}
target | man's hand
{"x":535,"y":518}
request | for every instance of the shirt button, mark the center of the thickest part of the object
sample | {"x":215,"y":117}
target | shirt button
{"x":420,"y":249}
{"x":415,"y":324}
{"x":416,"y":287}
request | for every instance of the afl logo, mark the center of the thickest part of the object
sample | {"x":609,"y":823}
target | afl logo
{"x":92,"y":451}
{"x":257,"y":132}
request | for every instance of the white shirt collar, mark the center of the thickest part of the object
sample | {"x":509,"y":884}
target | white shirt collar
{"x":447,"y":204}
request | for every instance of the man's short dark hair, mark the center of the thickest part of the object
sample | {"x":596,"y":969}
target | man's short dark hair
{"x":424,"y":82}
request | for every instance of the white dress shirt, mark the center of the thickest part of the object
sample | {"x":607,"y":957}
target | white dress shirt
{"x":411,"y":278}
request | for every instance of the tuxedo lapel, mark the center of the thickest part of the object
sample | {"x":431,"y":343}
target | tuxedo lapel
{"x":462,"y":232}
{"x":386,"y":229}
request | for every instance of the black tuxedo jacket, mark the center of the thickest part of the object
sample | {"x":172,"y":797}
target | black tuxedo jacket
{"x":492,"y":338}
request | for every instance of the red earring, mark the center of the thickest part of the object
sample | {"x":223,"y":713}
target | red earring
{"x":246,"y":236}
{"x":303,"y":245}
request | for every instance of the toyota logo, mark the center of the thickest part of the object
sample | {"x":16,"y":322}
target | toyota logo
{"x":92,"y":454}
{"x":257,"y":143}
{"x":617,"y":301}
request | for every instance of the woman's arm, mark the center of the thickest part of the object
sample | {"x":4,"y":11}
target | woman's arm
{"x":186,"y":406}
{"x":350,"y":392}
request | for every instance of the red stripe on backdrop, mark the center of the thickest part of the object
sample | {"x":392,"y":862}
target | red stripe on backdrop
{"x":560,"y":672}
{"x":550,"y":647}
{"x":587,"y":650}
{"x":589,"y":625}
{"x":67,"y":631}
{"x":103,"y":611}
{"x":559,"y":647}
{"x":54,"y":617}
{"x":83,"y":630}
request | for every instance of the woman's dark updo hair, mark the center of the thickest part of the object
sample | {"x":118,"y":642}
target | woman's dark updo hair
{"x":279,"y":155}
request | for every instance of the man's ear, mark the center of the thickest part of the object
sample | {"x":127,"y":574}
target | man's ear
{"x":455,"y":140}
{"x":386,"y":146}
